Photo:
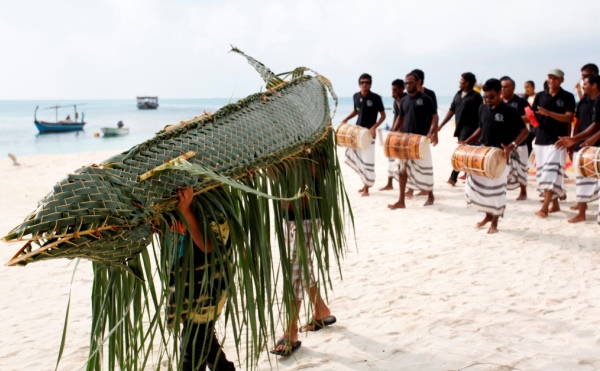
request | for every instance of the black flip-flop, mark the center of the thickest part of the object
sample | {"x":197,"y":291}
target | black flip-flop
{"x":317,"y":325}
{"x":288,"y":348}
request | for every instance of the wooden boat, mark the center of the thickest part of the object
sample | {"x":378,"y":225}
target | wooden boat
{"x":114,"y":132}
{"x":147,"y":102}
{"x":59,"y":125}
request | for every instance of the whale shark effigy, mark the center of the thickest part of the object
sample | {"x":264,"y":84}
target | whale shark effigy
{"x":241,"y":162}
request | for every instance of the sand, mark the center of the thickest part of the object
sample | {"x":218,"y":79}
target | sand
{"x":422,"y":288}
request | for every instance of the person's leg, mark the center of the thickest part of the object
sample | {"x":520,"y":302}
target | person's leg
{"x":543,"y":212}
{"x":453,"y":178}
{"x":494,"y":226}
{"x":202,"y":348}
{"x":430,"y":199}
{"x":580,"y":217}
{"x":400,"y":204}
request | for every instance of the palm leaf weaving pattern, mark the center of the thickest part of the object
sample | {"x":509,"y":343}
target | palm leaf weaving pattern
{"x":263,"y":147}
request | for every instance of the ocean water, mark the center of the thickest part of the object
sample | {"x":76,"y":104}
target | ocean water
{"x":19,"y":136}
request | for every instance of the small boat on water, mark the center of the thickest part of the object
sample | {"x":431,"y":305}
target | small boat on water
{"x":115,"y":132}
{"x":147,"y":102}
{"x":59,"y":125}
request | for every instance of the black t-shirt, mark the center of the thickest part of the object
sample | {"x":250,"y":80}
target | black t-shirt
{"x":499,"y":125}
{"x":518,"y":103}
{"x":431,"y":94}
{"x":550,"y":129}
{"x":466,"y":112}
{"x":367,"y":108}
{"x":396,"y":108}
{"x":584,"y":114}
{"x":416,"y":111}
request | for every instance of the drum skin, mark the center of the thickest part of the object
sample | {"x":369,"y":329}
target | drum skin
{"x":587,"y":162}
{"x":353,"y":136}
{"x":488,"y":162}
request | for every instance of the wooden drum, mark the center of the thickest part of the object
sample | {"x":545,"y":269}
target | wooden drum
{"x":353,"y":136}
{"x":587,"y":162}
{"x":406,"y":146}
{"x":488,"y":162}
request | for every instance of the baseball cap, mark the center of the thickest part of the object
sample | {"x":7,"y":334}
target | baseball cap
{"x":556,"y":72}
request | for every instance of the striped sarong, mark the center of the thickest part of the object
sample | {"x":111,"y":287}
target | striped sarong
{"x":300,"y":283}
{"x":586,"y":189}
{"x":363,"y":162}
{"x":550,"y":163}
{"x":488,"y":195}
{"x":419,"y":173}
{"x":517,"y":163}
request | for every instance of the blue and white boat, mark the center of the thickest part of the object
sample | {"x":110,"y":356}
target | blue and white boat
{"x":59,"y":125}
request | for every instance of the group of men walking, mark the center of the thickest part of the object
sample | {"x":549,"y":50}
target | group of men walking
{"x":497,"y":119}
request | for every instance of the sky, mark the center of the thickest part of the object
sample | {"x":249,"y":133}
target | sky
{"x":118,"y":49}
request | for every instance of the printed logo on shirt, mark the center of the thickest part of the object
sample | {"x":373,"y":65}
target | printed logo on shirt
{"x":498,"y":117}
{"x":514,"y":105}
{"x":419,"y":102}
{"x":369,"y":103}
{"x":560,"y":103}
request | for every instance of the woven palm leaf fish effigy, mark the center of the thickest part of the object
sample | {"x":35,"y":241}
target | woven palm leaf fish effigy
{"x":263,"y":147}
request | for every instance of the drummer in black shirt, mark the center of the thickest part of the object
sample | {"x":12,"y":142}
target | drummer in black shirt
{"x":500,"y":127}
{"x":417,"y":116}
{"x":367,"y":105}
{"x":517,"y":176}
{"x":553,"y":108}
{"x":586,"y":189}
{"x":465,"y":104}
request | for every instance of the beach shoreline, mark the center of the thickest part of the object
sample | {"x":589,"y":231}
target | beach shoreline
{"x":422,"y":288}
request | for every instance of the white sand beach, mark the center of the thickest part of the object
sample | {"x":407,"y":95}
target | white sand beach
{"x":422,"y":288}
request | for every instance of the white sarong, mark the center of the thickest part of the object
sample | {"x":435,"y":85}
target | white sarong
{"x":550,"y":173}
{"x":419,"y":173}
{"x":363,"y":162}
{"x":586,"y":189}
{"x":517,"y":175}
{"x":488,"y":195}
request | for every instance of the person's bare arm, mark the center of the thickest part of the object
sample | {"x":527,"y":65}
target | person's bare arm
{"x":186,"y":195}
{"x":473,"y":137}
{"x":566,"y":117}
{"x":446,"y":119}
{"x":353,"y":114}
{"x":374,"y":127}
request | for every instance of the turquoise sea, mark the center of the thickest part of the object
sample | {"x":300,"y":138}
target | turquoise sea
{"x":18,"y":134}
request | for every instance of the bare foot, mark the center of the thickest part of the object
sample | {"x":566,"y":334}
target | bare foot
{"x":362,"y":189}
{"x":365,"y":193}
{"x":554,"y":208}
{"x":522,"y":197}
{"x":429,"y":201}
{"x":409,"y":193}
{"x":574,"y":207}
{"x":542,"y":214}
{"x":423,"y":193}
{"x":451,"y":182}
{"x":386,"y":188}
{"x":397,"y":205}
{"x":577,"y":219}
{"x":463,"y":177}
{"x":487,"y":219}
{"x":493,"y":229}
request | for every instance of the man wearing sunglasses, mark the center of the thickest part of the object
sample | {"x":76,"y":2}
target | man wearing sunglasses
{"x":500,"y":126}
{"x":367,"y":105}
{"x":554,"y":108}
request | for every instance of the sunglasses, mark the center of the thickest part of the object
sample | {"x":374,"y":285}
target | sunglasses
{"x":365,"y":82}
